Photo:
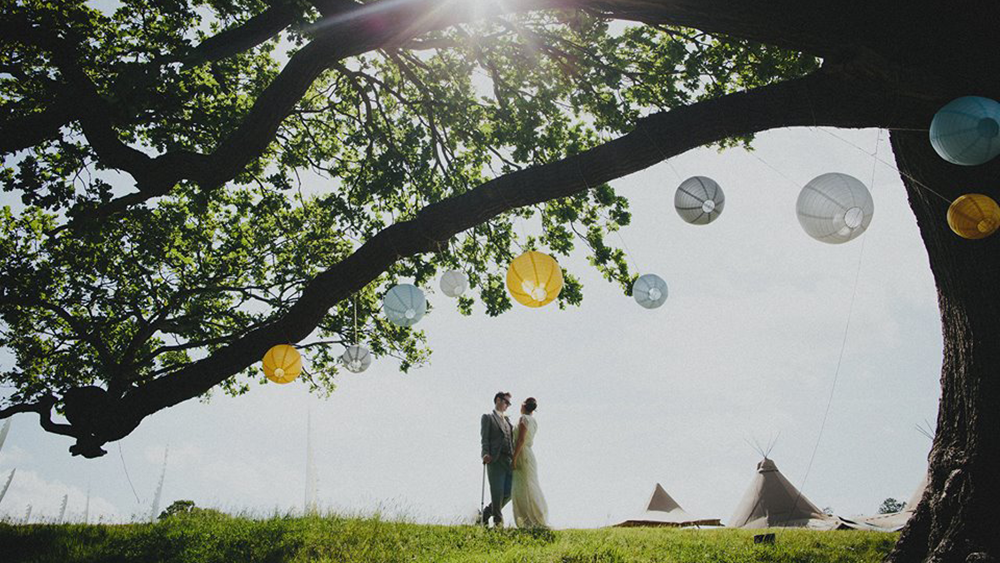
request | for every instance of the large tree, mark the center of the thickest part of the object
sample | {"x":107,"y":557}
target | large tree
{"x":160,"y":152}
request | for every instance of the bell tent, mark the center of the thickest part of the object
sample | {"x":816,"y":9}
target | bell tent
{"x":772,"y":501}
{"x":663,"y":510}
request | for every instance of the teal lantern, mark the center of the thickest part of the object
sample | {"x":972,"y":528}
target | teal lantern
{"x":404,"y":304}
{"x":650,"y":291}
{"x":966,"y":131}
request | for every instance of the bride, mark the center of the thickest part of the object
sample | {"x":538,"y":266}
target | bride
{"x":530,"y":510}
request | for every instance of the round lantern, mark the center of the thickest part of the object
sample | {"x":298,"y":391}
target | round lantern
{"x":282,"y":363}
{"x":650,"y":291}
{"x":834,"y":208}
{"x":966,"y":130}
{"x":974,"y":216}
{"x":404,"y":304}
{"x":699,"y":200}
{"x":454,"y":283}
{"x":356,"y":358}
{"x":534,"y":279}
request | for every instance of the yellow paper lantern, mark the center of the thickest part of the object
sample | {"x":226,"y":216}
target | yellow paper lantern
{"x":974,"y":216}
{"x":282,"y":363}
{"x":534,"y":279}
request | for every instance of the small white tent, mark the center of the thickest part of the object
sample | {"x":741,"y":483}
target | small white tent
{"x":663,"y":510}
{"x":772,"y":501}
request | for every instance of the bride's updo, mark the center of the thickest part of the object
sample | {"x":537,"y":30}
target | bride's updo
{"x":530,"y":404}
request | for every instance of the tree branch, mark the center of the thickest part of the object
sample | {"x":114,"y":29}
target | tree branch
{"x":245,"y":36}
{"x":823,"y":98}
{"x":389,"y":23}
{"x":43,"y":407}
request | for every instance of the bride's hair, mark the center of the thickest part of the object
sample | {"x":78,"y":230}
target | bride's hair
{"x":530,"y":404}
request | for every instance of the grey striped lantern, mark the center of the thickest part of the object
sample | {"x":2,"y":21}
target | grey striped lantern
{"x":834,"y":208}
{"x":404,"y":304}
{"x":699,"y":200}
{"x":650,"y":291}
{"x":356,"y":358}
{"x":454,"y":283}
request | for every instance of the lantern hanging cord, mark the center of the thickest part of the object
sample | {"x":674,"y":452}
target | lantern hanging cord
{"x":662,"y":154}
{"x":625,"y":248}
{"x":355,"y":318}
{"x":916,"y":182}
{"x":773,"y":169}
{"x":840,"y":358}
{"x":122,"y":456}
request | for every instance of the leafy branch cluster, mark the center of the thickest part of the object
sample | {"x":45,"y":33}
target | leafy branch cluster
{"x":202,"y":255}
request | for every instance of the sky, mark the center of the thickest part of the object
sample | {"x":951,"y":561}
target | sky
{"x":746,"y":350}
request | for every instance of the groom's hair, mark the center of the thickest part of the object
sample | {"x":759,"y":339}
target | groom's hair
{"x":501,"y":394}
{"x":530,"y":404}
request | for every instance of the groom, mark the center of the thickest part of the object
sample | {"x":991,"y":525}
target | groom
{"x":498,"y":452}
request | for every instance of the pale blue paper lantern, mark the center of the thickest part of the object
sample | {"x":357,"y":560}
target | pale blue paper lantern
{"x":699,"y":200}
{"x":454,"y":283}
{"x":404,"y":304}
{"x":356,"y":358}
{"x":966,"y":130}
{"x":650,"y":291}
{"x":834,"y":208}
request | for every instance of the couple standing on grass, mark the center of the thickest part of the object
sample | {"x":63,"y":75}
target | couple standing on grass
{"x":510,"y":465}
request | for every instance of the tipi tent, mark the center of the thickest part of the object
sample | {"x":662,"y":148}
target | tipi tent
{"x":772,"y":501}
{"x":663,"y":510}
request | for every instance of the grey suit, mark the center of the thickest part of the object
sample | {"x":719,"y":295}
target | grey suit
{"x":497,"y":435}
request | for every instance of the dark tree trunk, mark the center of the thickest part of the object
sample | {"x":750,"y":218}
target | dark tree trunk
{"x":956,"y":520}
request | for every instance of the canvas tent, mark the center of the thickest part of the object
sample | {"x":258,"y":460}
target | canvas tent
{"x":663,"y":510}
{"x":772,"y":501}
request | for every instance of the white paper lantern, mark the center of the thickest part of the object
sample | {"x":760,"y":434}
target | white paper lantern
{"x":404,"y":304}
{"x":356,"y":358}
{"x":650,"y":291}
{"x":454,"y":283}
{"x":966,"y":130}
{"x":834,"y":208}
{"x":699,"y":200}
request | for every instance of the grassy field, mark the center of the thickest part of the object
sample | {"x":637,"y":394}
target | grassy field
{"x":204,"y":539}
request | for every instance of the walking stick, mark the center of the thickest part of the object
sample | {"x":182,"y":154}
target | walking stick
{"x":482,"y":496}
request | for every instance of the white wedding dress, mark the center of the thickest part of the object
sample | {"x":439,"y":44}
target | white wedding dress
{"x":530,"y":510}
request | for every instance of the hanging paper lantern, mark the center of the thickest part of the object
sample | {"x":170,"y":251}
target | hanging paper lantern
{"x":966,"y":130}
{"x":650,"y":291}
{"x":282,"y":363}
{"x":534,"y":279}
{"x":356,"y":358}
{"x":454,"y":283}
{"x":404,"y":304}
{"x":974,"y":216}
{"x":834,"y":208}
{"x":699,"y":200}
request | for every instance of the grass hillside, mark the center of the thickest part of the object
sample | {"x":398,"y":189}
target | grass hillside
{"x":219,"y":538}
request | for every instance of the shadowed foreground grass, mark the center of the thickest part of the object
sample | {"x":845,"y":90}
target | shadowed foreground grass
{"x":205,"y":539}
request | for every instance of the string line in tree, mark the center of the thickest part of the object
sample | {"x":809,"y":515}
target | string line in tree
{"x":843,"y":347}
{"x":625,"y":248}
{"x":660,"y":150}
{"x":129,"y":479}
{"x":916,"y":182}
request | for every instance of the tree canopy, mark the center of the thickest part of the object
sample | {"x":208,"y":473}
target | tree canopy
{"x":105,"y":286}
